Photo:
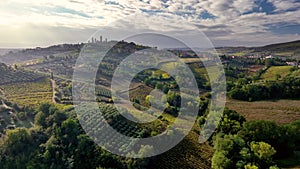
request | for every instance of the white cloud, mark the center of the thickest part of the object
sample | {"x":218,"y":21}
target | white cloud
{"x":229,"y":22}
{"x":285,"y":5}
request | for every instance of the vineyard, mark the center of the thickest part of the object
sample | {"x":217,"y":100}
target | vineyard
{"x":189,"y":153}
{"x":103,"y":94}
{"x":28,"y":93}
{"x":12,"y":75}
{"x":95,"y":125}
{"x":120,"y":124}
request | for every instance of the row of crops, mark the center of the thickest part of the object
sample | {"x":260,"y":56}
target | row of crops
{"x":119,"y":123}
{"x":96,"y":126}
{"x":100,"y":91}
{"x":28,"y":93}
{"x":10,"y":75}
{"x":192,"y":155}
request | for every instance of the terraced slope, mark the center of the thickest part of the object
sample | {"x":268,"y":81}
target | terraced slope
{"x":28,"y":93}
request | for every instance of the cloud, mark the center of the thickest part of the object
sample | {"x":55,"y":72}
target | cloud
{"x":231,"y":20}
{"x":285,"y":5}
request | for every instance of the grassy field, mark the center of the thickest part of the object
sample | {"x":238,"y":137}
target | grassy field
{"x":284,"y":53}
{"x":28,"y":93}
{"x":239,"y":54}
{"x":192,"y":60}
{"x":169,"y":66}
{"x":271,"y":73}
{"x":281,"y":111}
{"x":214,"y":73}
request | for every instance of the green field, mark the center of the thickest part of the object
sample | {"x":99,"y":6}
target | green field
{"x":169,"y":66}
{"x":284,"y":53}
{"x":274,"y":71}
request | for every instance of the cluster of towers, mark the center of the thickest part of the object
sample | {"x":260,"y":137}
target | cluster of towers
{"x":95,"y":40}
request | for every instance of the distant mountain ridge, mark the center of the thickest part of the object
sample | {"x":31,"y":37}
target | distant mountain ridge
{"x":280,"y":49}
{"x":294,"y":45}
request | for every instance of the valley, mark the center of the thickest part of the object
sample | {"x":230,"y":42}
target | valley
{"x":36,"y":90}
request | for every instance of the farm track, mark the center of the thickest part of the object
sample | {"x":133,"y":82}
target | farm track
{"x":27,"y":94}
{"x":53,"y":85}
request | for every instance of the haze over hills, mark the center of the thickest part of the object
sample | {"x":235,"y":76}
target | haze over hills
{"x":4,"y":51}
{"x":12,"y":56}
{"x":22,"y":55}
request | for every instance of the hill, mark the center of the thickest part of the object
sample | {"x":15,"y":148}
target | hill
{"x":279,"y":49}
{"x":14,"y":75}
{"x":18,"y":56}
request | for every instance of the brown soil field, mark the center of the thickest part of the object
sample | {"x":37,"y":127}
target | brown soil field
{"x":281,"y":111}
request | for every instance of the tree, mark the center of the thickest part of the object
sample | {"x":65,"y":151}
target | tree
{"x":220,"y":161}
{"x":238,"y":93}
{"x":44,"y":107}
{"x":263,"y":152}
{"x":278,"y":137}
{"x":231,"y":122}
{"x":269,"y":62}
{"x":40,"y":119}
{"x":18,"y":140}
{"x":250,"y":166}
{"x":259,"y":131}
{"x":227,"y":151}
{"x":16,"y":149}
{"x":70,"y":129}
{"x":86,"y":154}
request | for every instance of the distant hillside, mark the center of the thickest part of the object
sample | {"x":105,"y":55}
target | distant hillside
{"x":5,"y":51}
{"x":12,"y":75}
{"x":36,"y":53}
{"x":280,"y":49}
{"x":11,"y":56}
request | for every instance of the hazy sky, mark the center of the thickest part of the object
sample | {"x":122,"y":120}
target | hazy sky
{"x":30,"y":23}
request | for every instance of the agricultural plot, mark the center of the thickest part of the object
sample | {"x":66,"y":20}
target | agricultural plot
{"x":189,"y":153}
{"x":12,"y":75}
{"x":281,"y":111}
{"x":95,"y":126}
{"x":139,"y":93}
{"x":276,"y":72}
{"x":192,"y":60}
{"x":28,"y":93}
{"x":102,"y":92}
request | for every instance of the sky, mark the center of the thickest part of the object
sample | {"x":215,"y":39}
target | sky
{"x":33,"y":23}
